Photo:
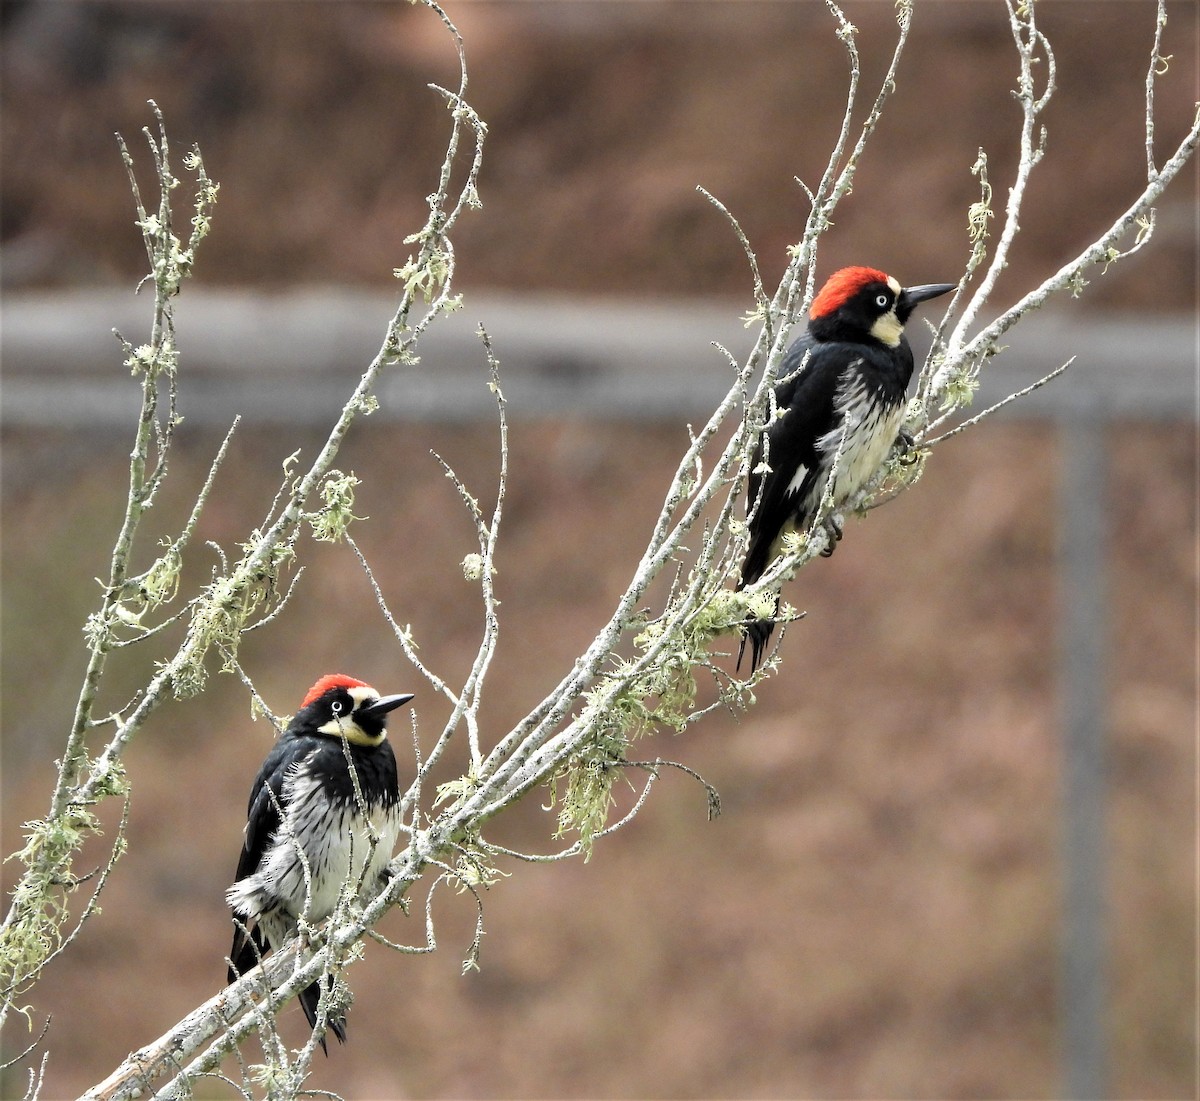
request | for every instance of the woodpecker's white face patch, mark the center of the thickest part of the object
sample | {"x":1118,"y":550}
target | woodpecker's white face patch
{"x":344,"y":726}
{"x":888,"y":329}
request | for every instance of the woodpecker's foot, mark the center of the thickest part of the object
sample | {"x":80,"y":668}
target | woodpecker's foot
{"x":833,"y":530}
{"x":906,"y":446}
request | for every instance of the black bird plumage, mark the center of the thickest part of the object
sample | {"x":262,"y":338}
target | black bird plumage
{"x":304,"y":798}
{"x":843,"y":385}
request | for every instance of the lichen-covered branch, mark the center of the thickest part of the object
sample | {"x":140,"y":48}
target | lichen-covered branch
{"x":218,"y":616}
{"x":955,"y":363}
{"x":31,"y":931}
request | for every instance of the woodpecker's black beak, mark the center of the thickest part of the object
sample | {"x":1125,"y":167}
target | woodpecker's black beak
{"x":384,"y":704}
{"x":911,"y":296}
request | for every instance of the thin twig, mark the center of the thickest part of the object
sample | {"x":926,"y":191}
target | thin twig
{"x":998,"y":405}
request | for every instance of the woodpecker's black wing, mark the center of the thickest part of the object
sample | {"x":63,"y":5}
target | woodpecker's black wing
{"x":795,"y":364}
{"x":797,"y":466}
{"x":262,"y":820}
{"x":789,"y":492}
{"x":267,"y":800}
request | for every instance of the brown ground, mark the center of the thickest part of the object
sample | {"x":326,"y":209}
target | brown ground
{"x":876,"y":912}
{"x":603,"y":118}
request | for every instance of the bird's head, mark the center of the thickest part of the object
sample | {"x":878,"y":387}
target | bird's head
{"x":342,"y":707}
{"x":858,"y":303}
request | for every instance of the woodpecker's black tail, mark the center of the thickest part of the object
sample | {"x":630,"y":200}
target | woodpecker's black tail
{"x":247,"y":951}
{"x":309,"y":997}
{"x":758,"y":632}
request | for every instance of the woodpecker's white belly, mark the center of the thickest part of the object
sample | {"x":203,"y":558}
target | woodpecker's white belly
{"x":870,"y":426}
{"x":337,"y":847}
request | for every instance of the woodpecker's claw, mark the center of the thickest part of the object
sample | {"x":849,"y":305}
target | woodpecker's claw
{"x":833,"y":529}
{"x":906,"y":445}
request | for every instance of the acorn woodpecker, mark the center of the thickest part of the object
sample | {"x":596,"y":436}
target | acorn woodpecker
{"x":843,"y":385}
{"x":328,"y":784}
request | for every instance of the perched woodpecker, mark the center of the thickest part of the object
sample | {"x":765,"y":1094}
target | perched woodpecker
{"x":845,"y":380}
{"x":328,"y":784}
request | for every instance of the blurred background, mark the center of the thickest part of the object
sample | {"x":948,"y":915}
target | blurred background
{"x":882,"y":908}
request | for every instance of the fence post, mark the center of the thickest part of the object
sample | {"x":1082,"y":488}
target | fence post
{"x":1083,"y":604}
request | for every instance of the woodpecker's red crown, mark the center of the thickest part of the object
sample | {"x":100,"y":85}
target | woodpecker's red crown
{"x":843,"y":285}
{"x":331,"y":680}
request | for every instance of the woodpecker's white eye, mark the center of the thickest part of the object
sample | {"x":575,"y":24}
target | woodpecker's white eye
{"x":336,"y":707}
{"x":881,"y":300}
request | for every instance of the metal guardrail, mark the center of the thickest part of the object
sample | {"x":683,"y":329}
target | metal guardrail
{"x":293,"y":358}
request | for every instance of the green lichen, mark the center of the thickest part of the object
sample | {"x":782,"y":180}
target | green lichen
{"x":160,"y":583}
{"x":458,"y":791}
{"x":221,"y":612}
{"x":474,"y":566}
{"x":980,"y":213}
{"x":643,"y":696}
{"x":424,"y":276}
{"x":40,"y":899}
{"x":959,"y":389}
{"x":329,"y":523}
{"x":474,"y":868}
{"x":206,"y":199}
{"x":586,"y":781}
